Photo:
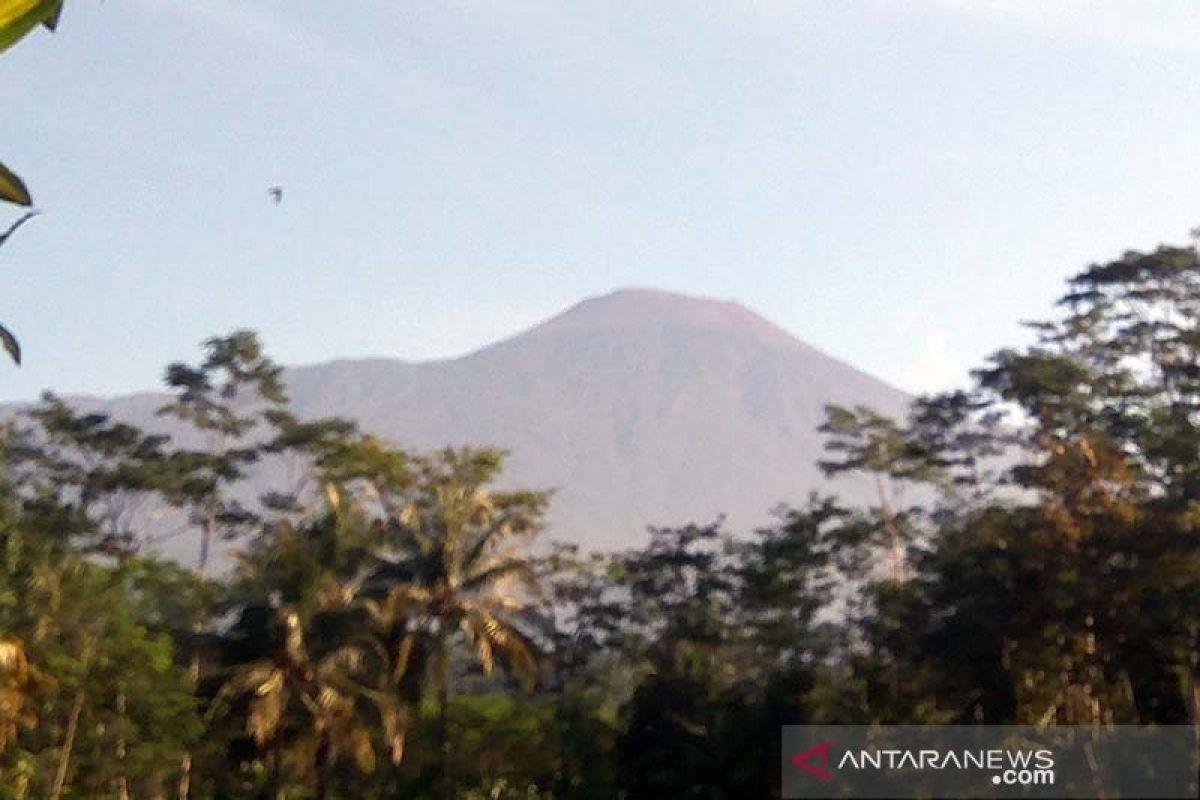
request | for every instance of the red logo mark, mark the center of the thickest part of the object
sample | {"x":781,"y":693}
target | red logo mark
{"x":822,"y":752}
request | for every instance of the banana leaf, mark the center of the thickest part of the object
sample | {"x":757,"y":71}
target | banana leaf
{"x":19,"y":17}
{"x":12,"y":188}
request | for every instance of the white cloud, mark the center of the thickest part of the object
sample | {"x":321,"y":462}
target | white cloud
{"x":935,"y":368}
{"x":1171,"y":24}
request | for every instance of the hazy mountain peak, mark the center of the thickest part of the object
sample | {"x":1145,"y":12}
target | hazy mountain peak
{"x":641,"y":309}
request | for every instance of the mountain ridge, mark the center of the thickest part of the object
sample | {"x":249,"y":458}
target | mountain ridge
{"x":644,"y":406}
{"x":641,"y":406}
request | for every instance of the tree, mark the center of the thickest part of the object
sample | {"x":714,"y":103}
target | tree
{"x":786,"y":577}
{"x":876,"y":446}
{"x":453,"y":566}
{"x":681,"y":598}
{"x":107,"y":475}
{"x":226,"y":399}
{"x":1112,"y":391}
{"x":341,"y":617}
{"x":295,"y":670}
{"x":1039,"y":584}
{"x":115,"y":709}
{"x":587,"y":673}
{"x":728,"y":641}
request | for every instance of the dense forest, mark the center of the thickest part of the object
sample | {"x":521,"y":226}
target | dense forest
{"x":397,"y":624}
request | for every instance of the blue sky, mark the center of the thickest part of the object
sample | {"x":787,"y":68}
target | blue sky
{"x":897,"y":182}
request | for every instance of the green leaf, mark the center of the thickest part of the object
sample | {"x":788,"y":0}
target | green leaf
{"x":12,"y":188}
{"x":51,"y":20}
{"x":19,"y":17}
{"x":11,"y":344}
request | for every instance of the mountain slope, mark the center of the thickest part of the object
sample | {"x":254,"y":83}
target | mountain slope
{"x":640,"y":407}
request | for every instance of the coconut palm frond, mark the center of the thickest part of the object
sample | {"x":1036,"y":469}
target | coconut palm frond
{"x":515,"y":569}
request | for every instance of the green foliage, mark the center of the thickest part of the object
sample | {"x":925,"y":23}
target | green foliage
{"x":228,"y":398}
{"x":12,"y":188}
{"x":19,"y":17}
{"x":112,"y":704}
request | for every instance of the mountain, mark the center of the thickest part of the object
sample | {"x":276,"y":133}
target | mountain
{"x":640,"y":407}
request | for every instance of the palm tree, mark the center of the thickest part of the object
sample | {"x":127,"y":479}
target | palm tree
{"x":304,"y":704}
{"x":306,"y":686}
{"x":454,"y":568}
{"x":343,"y":619}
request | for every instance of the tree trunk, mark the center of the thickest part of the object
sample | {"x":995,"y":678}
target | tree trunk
{"x":897,"y":570}
{"x":185,"y":763}
{"x":275,"y":783}
{"x":122,"y":778}
{"x":206,"y":536}
{"x":323,"y":770}
{"x":185,"y":776}
{"x":64,"y":759}
{"x":445,"y":778}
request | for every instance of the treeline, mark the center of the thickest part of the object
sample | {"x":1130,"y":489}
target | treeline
{"x":392,"y":625}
